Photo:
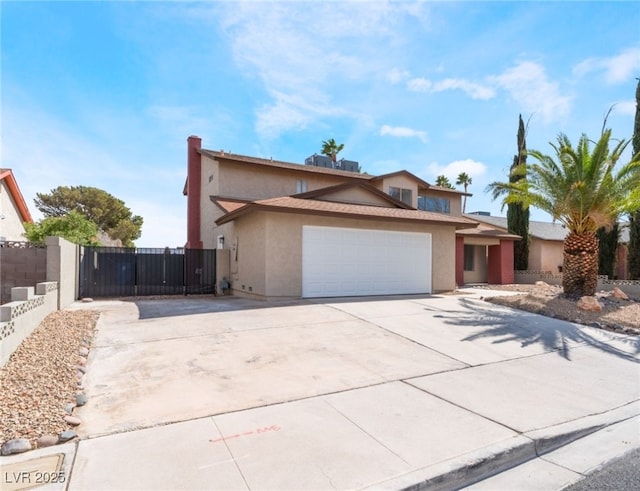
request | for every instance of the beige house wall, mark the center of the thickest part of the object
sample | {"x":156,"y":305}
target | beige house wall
{"x":356,"y":196}
{"x":248,"y":251}
{"x":479,"y":273}
{"x":545,"y":255}
{"x":209,"y":212}
{"x":252,"y":183}
{"x":270,"y":251}
{"x":11,"y":227}
{"x":400,"y":181}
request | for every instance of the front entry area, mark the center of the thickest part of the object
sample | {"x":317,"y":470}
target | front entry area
{"x":359,"y":262}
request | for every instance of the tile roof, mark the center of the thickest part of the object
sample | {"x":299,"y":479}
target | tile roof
{"x":487,"y":231}
{"x":289,"y":204}
{"x":539,"y":230}
{"x":228,"y":204}
{"x":542,"y":230}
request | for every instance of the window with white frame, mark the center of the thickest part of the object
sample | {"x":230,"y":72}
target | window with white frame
{"x":301,"y":186}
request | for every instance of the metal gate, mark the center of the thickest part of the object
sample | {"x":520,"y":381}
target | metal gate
{"x":128,"y":272}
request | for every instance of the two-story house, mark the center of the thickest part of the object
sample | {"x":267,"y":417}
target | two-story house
{"x":294,"y":230}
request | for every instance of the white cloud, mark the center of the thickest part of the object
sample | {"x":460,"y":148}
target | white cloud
{"x":618,"y":68}
{"x":307,"y":51}
{"x":396,"y":75}
{"x":419,"y":85}
{"x":528,"y":85}
{"x":476,"y":170}
{"x":628,"y":108}
{"x":403,"y":132}
{"x":472,"y":89}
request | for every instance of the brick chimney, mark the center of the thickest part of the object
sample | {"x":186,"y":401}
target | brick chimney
{"x":194,"y":186}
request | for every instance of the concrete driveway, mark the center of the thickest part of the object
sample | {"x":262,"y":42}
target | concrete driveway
{"x":356,"y":393}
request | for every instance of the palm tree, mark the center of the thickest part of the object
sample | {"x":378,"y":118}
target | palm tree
{"x":580,"y":190}
{"x":464,"y":180}
{"x":443,"y":182}
{"x":331,"y":149}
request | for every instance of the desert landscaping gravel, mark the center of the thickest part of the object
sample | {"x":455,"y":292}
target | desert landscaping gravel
{"x":41,"y":377}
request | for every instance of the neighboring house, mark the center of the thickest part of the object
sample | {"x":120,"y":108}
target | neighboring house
{"x":298,"y":230}
{"x":547,"y":243}
{"x":13,"y":208}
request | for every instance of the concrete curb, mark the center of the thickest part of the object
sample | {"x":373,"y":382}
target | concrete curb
{"x":467,"y":469}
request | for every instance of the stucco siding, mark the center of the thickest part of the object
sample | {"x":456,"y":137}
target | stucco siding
{"x":209,"y":212}
{"x":11,"y":227}
{"x":403,"y":182}
{"x":356,"y":196}
{"x":248,"y":255}
{"x":247,"y":182}
{"x":545,"y":255}
{"x":479,"y":273}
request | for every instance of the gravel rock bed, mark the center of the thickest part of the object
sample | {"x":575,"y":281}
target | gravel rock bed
{"x":617,"y":315}
{"x":41,"y":377}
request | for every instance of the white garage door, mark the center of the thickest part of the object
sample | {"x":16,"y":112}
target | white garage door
{"x":352,"y":262}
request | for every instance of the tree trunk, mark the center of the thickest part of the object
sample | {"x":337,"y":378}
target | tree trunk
{"x":580,"y":268}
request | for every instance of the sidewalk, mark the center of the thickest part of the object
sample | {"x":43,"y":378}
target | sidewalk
{"x":433,"y":392}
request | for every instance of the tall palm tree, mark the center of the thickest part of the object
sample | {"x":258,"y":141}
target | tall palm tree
{"x":331,"y":149}
{"x":464,"y":180}
{"x":582,"y":190}
{"x":443,"y":182}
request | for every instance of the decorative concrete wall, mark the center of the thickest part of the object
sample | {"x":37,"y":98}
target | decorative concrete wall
{"x":63,"y":262}
{"x":23,"y":314}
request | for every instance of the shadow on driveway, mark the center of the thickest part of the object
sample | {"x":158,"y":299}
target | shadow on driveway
{"x":553,"y":334}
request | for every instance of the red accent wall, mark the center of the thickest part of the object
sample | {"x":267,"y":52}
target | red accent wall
{"x":500,"y":263}
{"x":459,"y":261}
{"x":194,"y":178}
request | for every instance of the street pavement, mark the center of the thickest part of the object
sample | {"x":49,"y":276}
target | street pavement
{"x":433,"y":392}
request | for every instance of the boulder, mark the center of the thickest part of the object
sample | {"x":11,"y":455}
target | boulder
{"x":590,"y":304}
{"x":72,"y":420}
{"x":47,"y":441}
{"x":617,"y":293}
{"x":17,"y":445}
{"x":67,"y":435}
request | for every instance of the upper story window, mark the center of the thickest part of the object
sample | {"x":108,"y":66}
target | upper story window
{"x":301,"y":186}
{"x":401,"y":194}
{"x":429,"y":203}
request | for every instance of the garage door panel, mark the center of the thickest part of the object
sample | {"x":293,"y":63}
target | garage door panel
{"x":352,"y":262}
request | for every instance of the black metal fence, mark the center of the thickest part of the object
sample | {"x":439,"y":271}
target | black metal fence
{"x":127,"y":272}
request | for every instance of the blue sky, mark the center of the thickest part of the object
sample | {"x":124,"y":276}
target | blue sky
{"x":105,"y":94}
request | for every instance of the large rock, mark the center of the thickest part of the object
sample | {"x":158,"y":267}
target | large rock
{"x":47,"y":441}
{"x":72,"y":420}
{"x":617,"y":293}
{"x":590,"y":304}
{"x":67,"y":435}
{"x":17,"y":445}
